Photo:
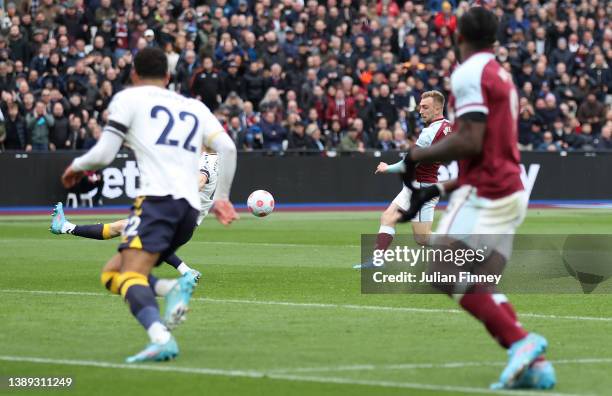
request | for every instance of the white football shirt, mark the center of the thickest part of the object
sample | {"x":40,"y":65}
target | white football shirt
{"x":166,"y":132}
{"x":208,"y":167}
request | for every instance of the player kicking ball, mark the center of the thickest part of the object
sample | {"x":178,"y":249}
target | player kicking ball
{"x":207,"y":186}
{"x":166,"y":132}
{"x":488,"y":201}
{"x":431,"y":109}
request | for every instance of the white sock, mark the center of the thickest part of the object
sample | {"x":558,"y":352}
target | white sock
{"x":68,"y":227}
{"x":386,"y":230}
{"x":163,"y":286}
{"x":158,"y":333}
{"x":183,"y":268}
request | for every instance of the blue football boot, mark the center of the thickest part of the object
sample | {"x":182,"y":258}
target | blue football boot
{"x":156,"y":352}
{"x":520,"y":356}
{"x":540,"y":375}
{"x":57,"y":219}
{"x":177,"y":300}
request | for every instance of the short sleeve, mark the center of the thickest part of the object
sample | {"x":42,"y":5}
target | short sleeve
{"x":119,"y":115}
{"x":467,"y":91}
{"x":424,"y":139}
{"x":211,"y":127}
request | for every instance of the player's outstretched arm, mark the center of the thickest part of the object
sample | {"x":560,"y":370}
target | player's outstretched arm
{"x":225,"y":147}
{"x":98,"y":157}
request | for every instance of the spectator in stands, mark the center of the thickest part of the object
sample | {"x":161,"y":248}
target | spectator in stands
{"x":298,"y":139}
{"x":385,"y":140}
{"x":15,"y":126}
{"x":592,"y":111}
{"x":380,"y":58}
{"x":60,"y":132}
{"x":351,"y":142}
{"x":206,"y":84}
{"x":273,"y":132}
{"x":341,"y":108}
{"x":254,"y":84}
{"x":604,"y":142}
{"x":272,"y":102}
{"x":185,"y":71}
{"x":39,"y":124}
{"x":548,"y":143}
{"x":446,"y":19}
{"x":317,"y":139}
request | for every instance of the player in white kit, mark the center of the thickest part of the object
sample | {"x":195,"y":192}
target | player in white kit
{"x":166,"y":132}
{"x":207,"y":185}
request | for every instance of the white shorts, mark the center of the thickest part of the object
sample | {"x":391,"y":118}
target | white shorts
{"x":481,"y":222}
{"x":426,"y":214}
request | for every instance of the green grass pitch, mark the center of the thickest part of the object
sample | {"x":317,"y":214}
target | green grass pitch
{"x":279,"y":312}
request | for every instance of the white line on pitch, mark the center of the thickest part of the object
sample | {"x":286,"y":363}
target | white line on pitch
{"x":415,"y":366}
{"x":222,"y":243}
{"x":273,"y":376}
{"x":321,"y":305}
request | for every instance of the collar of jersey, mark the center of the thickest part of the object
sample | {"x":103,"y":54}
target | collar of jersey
{"x":484,"y":51}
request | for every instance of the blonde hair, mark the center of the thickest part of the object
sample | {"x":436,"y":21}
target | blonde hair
{"x":437,"y":96}
{"x":385,"y":134}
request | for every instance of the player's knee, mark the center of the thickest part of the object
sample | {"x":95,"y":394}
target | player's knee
{"x":126,"y":280}
{"x":109,"y":281}
{"x":116,"y":228}
{"x":389,"y":217}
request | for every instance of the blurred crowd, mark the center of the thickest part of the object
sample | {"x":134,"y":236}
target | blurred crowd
{"x":289,"y":74}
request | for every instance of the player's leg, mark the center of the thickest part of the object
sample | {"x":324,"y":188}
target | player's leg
{"x":182,"y":267}
{"x":423,"y":221}
{"x":149,"y":236}
{"x":466,"y":215}
{"x":61,"y":225}
{"x":135,"y":289}
{"x":177,"y":299}
{"x":388,"y":221}
{"x":177,"y":262}
{"x":421,"y":232}
{"x":108,"y":278}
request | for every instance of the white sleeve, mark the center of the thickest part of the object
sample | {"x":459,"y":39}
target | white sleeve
{"x":424,"y":139}
{"x":100,"y":155}
{"x":226,"y":149}
{"x":467,"y":90}
{"x":120,"y":115}
{"x":216,"y":138}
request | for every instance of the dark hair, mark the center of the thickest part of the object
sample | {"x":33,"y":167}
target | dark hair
{"x":478,"y":27}
{"x":151,"y":62}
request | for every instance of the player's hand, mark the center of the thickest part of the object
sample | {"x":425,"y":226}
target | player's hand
{"x":381,"y":168}
{"x":225,"y":212}
{"x":418,"y":198}
{"x":71,"y":177}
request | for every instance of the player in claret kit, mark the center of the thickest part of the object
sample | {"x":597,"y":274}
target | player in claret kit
{"x":208,"y":184}
{"x":431,"y":109}
{"x":488,"y":201}
{"x":166,"y":132}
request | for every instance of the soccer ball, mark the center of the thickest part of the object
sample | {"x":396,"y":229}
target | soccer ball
{"x":260,"y":203}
